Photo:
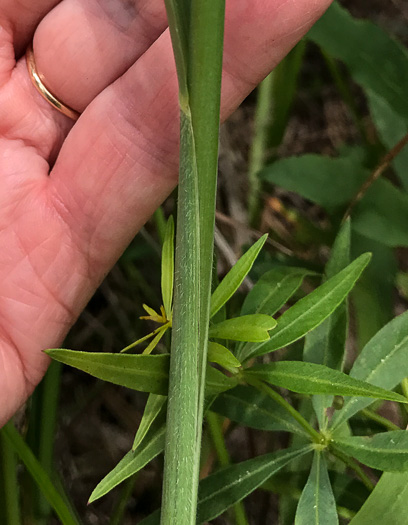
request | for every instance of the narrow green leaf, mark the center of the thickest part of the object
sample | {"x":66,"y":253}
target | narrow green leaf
{"x":274,"y":289}
{"x":151,"y":446}
{"x":326,"y":344}
{"x":155,"y":341}
{"x":231,"y":484}
{"x":312,"y":310}
{"x":154,"y":406}
{"x":250,"y":407}
{"x":167,"y":274}
{"x":147,"y":373}
{"x":309,"y":378}
{"x":234,"y":278}
{"x":387,"y":501}
{"x":383,"y":362}
{"x":374,"y":295}
{"x":317,"y":505}
{"x":40,"y":476}
{"x":253,"y":327}
{"x":227,"y":486}
{"x":217,"y":382}
{"x":222,"y":356}
{"x":386,"y":451}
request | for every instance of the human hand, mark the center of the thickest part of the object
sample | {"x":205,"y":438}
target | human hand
{"x":62,"y":230}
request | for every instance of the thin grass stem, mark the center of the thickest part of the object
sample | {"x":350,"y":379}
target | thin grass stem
{"x":217,"y":436}
{"x":11,"y":511}
{"x":257,"y":153}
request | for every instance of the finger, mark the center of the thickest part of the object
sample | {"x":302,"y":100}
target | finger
{"x":120,"y":160}
{"x":20,"y":18}
{"x":81,"y":47}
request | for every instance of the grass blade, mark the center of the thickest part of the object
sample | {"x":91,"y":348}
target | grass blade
{"x":40,"y":476}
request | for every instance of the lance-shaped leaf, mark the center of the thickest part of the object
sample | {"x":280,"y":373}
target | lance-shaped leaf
{"x":386,"y":451}
{"x":274,"y":289}
{"x":151,"y":446}
{"x":317,"y":505}
{"x":245,"y":328}
{"x":383,"y":362}
{"x":326,"y":344}
{"x":312,"y":310}
{"x":155,"y":406}
{"x":388,"y":500}
{"x":309,"y":378}
{"x":219,"y":491}
{"x":146,"y":373}
{"x":222,"y":356}
{"x":167,"y":270}
{"x":234,"y":278}
{"x":250,"y":407}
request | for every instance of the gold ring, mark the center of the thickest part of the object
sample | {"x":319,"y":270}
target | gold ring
{"x":37,"y":80}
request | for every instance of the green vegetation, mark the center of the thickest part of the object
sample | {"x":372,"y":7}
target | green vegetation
{"x":275,"y":359}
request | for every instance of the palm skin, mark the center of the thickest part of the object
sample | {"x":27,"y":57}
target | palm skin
{"x":72,"y":196}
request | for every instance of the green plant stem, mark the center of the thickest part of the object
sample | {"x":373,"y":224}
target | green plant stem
{"x":386,"y":423}
{"x":179,"y":484}
{"x":215,"y":427}
{"x":262,"y":387}
{"x":351,"y":463}
{"x":11,"y":511}
{"x":48,"y":425}
{"x":257,"y":153}
{"x":196,"y":29}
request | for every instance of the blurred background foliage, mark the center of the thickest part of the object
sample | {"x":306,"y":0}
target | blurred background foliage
{"x":321,"y":138}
